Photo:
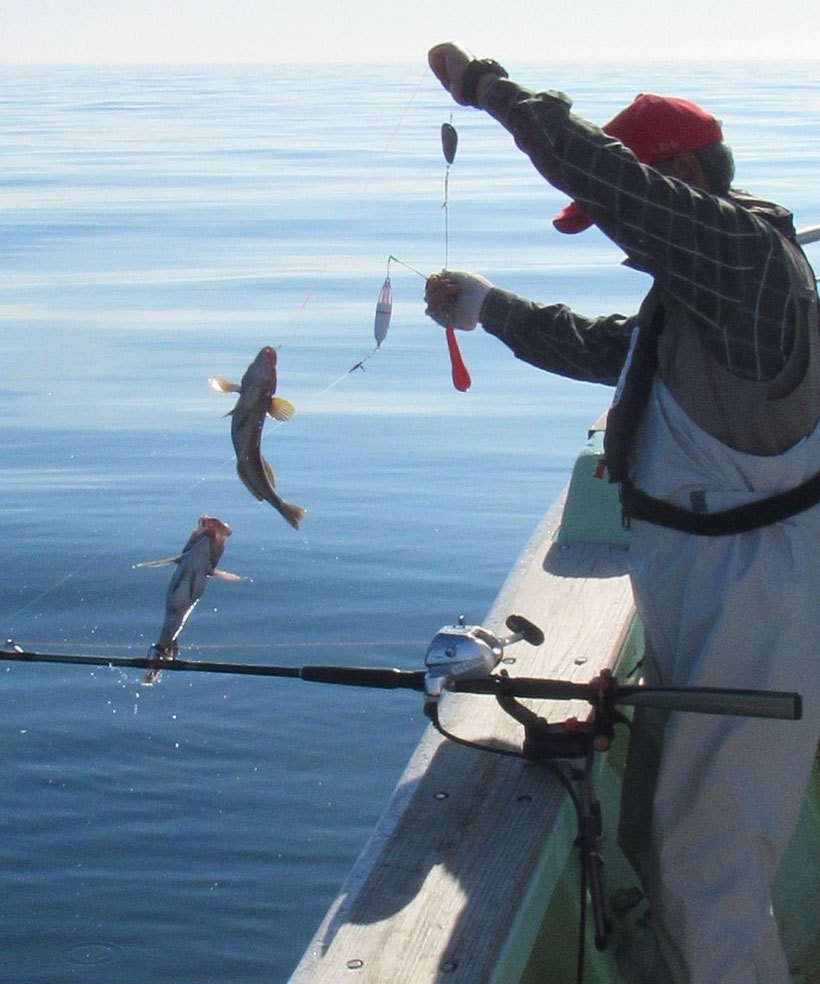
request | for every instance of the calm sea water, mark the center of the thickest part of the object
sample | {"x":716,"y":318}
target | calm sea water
{"x":158,"y":226}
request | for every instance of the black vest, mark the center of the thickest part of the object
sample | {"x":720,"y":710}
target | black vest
{"x":628,"y":406}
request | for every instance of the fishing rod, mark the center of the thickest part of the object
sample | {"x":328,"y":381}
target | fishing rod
{"x":461,"y":659}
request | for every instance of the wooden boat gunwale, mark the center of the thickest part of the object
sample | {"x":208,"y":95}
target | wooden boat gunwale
{"x":453,"y":886}
{"x":580,"y":587}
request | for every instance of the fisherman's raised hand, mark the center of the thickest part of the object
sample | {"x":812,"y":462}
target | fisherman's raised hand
{"x":448,"y":63}
{"x":455,"y":298}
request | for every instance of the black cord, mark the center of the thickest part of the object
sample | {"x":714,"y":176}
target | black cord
{"x":432,"y":712}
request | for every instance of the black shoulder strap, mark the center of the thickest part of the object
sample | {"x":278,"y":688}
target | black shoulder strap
{"x":741,"y":519}
{"x":634,"y":387}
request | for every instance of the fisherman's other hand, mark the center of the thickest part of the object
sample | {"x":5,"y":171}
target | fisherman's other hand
{"x":455,"y":298}
{"x":448,"y":63}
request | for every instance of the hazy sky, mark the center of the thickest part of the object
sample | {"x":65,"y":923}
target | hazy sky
{"x":179,"y":31}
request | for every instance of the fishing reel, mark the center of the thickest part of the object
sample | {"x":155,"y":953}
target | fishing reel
{"x":470,"y":652}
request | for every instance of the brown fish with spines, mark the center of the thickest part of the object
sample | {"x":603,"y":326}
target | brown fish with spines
{"x":256,"y":402}
{"x":195,"y":564}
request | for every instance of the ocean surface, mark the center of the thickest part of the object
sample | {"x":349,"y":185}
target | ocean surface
{"x":158,"y":226}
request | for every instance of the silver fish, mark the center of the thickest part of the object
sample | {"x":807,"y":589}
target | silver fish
{"x":195,"y":564}
{"x":257,"y":401}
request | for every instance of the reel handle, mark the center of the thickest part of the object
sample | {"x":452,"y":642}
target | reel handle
{"x":524,"y":629}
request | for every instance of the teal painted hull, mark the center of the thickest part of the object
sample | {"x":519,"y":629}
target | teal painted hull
{"x":629,"y":955}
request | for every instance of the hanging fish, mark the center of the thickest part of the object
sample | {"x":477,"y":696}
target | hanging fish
{"x":449,"y":141}
{"x":256,"y":402}
{"x":195,"y":564}
{"x":384,"y":308}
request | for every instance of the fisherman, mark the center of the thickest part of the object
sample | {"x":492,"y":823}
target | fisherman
{"x":716,"y":407}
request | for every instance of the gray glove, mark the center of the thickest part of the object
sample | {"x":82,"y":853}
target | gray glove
{"x":455,"y":298}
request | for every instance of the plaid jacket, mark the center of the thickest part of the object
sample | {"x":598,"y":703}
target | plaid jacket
{"x":724,"y":259}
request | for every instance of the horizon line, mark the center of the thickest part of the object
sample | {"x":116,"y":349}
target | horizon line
{"x":369,"y":60}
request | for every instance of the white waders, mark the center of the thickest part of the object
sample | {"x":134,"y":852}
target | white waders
{"x":727,"y":611}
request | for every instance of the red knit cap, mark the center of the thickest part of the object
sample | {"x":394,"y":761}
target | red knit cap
{"x":654,"y":128}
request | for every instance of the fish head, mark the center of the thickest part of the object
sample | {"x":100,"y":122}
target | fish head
{"x":260,"y":376}
{"x":213,"y":528}
{"x":217,"y":532}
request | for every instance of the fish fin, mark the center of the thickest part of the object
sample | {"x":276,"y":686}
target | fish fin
{"x":281,"y":409}
{"x":269,"y":472}
{"x":222,"y":385}
{"x":159,"y":563}
{"x":293,"y":513}
{"x":227,"y":576}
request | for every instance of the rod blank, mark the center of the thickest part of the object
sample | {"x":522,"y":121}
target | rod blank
{"x":352,"y":676}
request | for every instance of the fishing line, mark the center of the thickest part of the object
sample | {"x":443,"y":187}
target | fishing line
{"x":105,"y":551}
{"x":181,"y":494}
{"x":384,"y":310}
{"x":395,"y":259}
{"x":449,"y":143}
{"x":389,"y":141}
{"x":460,"y":375}
{"x":385,"y":300}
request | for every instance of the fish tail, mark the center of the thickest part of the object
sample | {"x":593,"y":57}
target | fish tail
{"x":293,"y":513}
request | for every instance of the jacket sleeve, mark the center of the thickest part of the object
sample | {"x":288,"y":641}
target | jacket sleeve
{"x":723,"y":264}
{"x":555,"y":338}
